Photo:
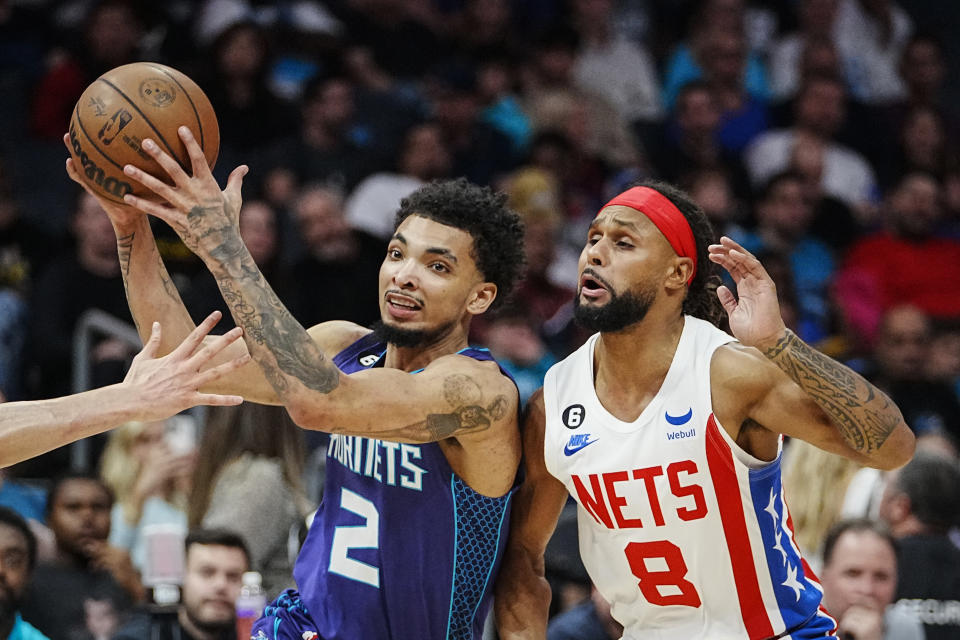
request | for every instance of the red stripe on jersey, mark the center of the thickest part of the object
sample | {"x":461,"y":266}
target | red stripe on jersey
{"x":727,"y":489}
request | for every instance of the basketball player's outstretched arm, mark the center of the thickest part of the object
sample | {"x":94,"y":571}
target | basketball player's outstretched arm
{"x":153,"y":296}
{"x":808,"y":394}
{"x":454,"y":396}
{"x":153,"y":389}
{"x":522,"y":596}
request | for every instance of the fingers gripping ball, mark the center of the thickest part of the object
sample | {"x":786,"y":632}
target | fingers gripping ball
{"x":122,"y":108}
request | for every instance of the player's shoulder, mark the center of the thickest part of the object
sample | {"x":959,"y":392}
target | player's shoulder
{"x":740,"y":372}
{"x":486,"y":373}
{"x":336,"y":335}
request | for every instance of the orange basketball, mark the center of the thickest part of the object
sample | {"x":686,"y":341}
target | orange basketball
{"x":126,"y":105}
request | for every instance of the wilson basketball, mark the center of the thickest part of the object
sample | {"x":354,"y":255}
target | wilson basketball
{"x":130,"y":103}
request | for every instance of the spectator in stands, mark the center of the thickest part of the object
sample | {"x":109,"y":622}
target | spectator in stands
{"x":326,"y":148}
{"x":713,"y":190}
{"x":248,"y":480}
{"x":150,"y":480}
{"x":513,"y":337}
{"x":85,"y":565}
{"x":112,"y":34}
{"x":859,"y":578}
{"x":783,"y":226}
{"x":816,"y":23}
{"x":900,"y":356}
{"x":820,"y":111}
{"x":896,"y":266}
{"x":691,"y":141}
{"x":215,"y":562}
{"x":18,"y":557}
{"x":340,"y":260}
{"x":85,"y":278}
{"x":921,"y":503}
{"x":478,"y":151}
{"x":614,"y":67}
{"x":923,"y":69}
{"x":922,"y":145}
{"x":871,"y":36}
{"x":688,"y":60}
{"x":424,"y":157}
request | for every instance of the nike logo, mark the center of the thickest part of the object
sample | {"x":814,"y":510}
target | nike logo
{"x":678,"y":420}
{"x":577,"y":442}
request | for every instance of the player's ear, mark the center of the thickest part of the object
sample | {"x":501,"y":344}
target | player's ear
{"x":680,"y":271}
{"x":482,"y":297}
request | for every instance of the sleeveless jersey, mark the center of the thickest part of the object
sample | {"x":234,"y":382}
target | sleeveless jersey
{"x":401,"y":548}
{"x":685,"y":534}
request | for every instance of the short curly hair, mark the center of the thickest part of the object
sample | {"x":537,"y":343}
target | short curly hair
{"x":497,"y":231}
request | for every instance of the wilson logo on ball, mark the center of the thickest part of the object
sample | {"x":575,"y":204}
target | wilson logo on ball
{"x":94,"y":174}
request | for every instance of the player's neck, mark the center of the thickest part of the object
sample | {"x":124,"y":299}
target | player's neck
{"x":638,"y":358}
{"x":416,"y":358}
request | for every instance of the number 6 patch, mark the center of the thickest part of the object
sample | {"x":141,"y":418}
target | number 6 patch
{"x":573,"y":416}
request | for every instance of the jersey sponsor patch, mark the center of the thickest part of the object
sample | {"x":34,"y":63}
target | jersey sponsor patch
{"x":577,"y":441}
{"x":679,"y":419}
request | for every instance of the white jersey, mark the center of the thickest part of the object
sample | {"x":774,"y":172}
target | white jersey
{"x":684,"y":533}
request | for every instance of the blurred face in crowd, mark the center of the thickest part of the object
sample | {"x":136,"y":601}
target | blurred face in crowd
{"x":862,"y":570}
{"x":820,"y":107}
{"x":923,"y":138}
{"x":724,"y":56}
{"x":92,"y":227}
{"x":785,"y":209}
{"x":258,"y":228}
{"x":697,"y":113}
{"x":425,"y":154}
{"x":902,"y":341}
{"x":915,"y":206}
{"x":113,"y":33}
{"x":331,"y":105}
{"x":211,"y":586}
{"x":923,"y":68}
{"x":321,"y":217}
{"x":80,"y":516}
{"x":243,"y":53}
{"x":816,"y":16}
{"x":14,"y":570}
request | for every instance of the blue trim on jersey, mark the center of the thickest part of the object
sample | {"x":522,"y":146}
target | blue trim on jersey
{"x":456,"y":541}
{"x":497,"y":546}
{"x":797,"y":598}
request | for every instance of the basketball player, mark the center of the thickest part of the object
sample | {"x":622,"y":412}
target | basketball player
{"x":420,"y":468}
{"x":153,"y":389}
{"x":668,"y":433}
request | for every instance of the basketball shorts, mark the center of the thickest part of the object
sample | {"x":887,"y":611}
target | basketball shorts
{"x":286,"y":618}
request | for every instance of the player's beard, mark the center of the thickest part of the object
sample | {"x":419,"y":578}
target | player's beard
{"x":407,"y":338}
{"x":620,"y":312}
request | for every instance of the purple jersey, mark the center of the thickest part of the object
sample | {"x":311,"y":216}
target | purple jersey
{"x":401,"y":547}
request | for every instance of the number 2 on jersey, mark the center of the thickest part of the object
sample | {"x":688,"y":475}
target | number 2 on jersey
{"x":365,"y":536}
{"x":651,"y":582}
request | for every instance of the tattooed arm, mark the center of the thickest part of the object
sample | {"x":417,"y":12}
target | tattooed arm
{"x":792,"y":388}
{"x":454,"y":397}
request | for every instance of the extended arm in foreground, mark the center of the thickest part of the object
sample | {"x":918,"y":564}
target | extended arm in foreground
{"x":153,"y":389}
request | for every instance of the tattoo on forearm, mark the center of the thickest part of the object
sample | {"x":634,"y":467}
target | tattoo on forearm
{"x":124,"y":249}
{"x":277,"y":341}
{"x":864,"y":415}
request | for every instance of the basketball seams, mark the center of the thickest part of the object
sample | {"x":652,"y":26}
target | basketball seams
{"x":196,"y":114}
{"x":146,"y":119}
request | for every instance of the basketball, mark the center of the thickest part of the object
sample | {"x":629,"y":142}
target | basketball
{"x":128,"y":104}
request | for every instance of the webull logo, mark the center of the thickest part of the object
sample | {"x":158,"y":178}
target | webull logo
{"x":680,"y":435}
{"x":94,"y":174}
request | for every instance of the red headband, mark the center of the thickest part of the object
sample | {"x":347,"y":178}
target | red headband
{"x":667,"y":218}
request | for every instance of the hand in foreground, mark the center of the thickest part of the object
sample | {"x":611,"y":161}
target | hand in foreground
{"x":120,"y":214}
{"x":196,"y":208}
{"x":755,"y":317}
{"x":164,"y":386}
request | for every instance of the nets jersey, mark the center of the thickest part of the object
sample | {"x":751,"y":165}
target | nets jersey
{"x":401,"y":547}
{"x":684,"y":534}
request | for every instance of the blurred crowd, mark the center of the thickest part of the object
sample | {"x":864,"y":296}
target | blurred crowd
{"x":820,"y":134}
